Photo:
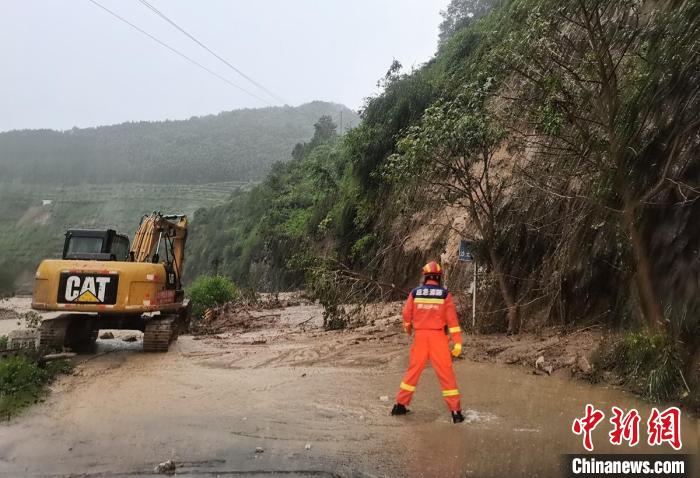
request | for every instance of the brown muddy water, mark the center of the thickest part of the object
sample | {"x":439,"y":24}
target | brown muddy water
{"x":304,"y":403}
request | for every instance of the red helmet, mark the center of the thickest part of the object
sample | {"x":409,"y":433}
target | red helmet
{"x":432,"y":268}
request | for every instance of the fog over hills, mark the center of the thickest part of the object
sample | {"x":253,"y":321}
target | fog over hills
{"x":238,"y":145}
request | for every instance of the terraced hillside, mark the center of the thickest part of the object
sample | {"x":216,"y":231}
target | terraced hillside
{"x":36,"y":216}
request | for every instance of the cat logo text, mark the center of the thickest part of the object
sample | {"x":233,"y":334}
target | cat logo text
{"x":84,"y":288}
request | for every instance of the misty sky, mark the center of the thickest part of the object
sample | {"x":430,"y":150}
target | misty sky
{"x":68,"y":63}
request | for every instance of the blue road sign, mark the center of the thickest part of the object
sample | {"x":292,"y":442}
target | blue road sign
{"x":465,"y":252}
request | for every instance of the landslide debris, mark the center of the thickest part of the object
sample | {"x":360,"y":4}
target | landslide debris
{"x":245,"y":315}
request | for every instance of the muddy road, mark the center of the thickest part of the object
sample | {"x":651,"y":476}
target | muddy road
{"x":295,"y":400}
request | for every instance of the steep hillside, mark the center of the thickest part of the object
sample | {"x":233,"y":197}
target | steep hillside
{"x":238,"y":145}
{"x":255,"y":234}
{"x":559,"y":138}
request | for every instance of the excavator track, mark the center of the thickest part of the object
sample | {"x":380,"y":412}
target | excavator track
{"x":52,"y":333}
{"x":88,"y":344}
{"x":158,"y":333}
{"x":74,"y":331}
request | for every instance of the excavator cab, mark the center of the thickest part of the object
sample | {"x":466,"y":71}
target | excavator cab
{"x":95,"y":245}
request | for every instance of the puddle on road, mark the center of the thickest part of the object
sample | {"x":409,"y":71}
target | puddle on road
{"x":473,"y":416}
{"x":521,"y":424}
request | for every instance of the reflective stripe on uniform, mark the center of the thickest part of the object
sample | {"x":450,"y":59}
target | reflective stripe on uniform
{"x":454,"y":330}
{"x":407,"y":387}
{"x":450,"y":393}
{"x":425,"y":300}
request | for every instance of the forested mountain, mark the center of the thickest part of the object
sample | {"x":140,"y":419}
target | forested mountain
{"x":238,"y":145}
{"x":109,"y":176}
{"x":257,"y":231}
{"x":559,"y":138}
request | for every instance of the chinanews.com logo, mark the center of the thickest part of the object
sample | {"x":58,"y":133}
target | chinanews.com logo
{"x":661,"y":428}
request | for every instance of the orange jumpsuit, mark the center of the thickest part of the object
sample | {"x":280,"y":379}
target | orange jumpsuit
{"x":428,"y":310}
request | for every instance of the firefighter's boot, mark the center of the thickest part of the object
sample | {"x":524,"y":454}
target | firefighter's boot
{"x":399,"y":410}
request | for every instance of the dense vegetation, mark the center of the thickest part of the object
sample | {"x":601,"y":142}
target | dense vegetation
{"x":564,"y":133}
{"x":209,"y":291}
{"x":236,"y":145}
{"x":253,"y":236}
{"x":24,"y":382}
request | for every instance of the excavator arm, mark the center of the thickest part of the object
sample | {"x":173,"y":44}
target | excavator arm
{"x":156,"y":230}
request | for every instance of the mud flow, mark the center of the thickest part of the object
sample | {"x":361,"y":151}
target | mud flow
{"x":286,"y":398}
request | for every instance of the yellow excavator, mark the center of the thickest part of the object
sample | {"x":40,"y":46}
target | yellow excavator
{"x":102,"y":283}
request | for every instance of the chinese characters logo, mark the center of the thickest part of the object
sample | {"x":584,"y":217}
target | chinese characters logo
{"x":662,"y":427}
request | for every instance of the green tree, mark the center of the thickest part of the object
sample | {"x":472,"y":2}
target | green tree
{"x":454,"y":148}
{"x":210,"y":291}
{"x":324,"y":129}
{"x":460,"y":14}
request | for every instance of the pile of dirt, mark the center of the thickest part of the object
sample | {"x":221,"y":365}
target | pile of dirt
{"x":553,"y":350}
{"x":234,"y":316}
{"x":248,"y":314}
{"x":548,"y":351}
{"x":281,"y":300}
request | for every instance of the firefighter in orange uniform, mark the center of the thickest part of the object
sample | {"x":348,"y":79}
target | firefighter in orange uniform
{"x":428,"y":311}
